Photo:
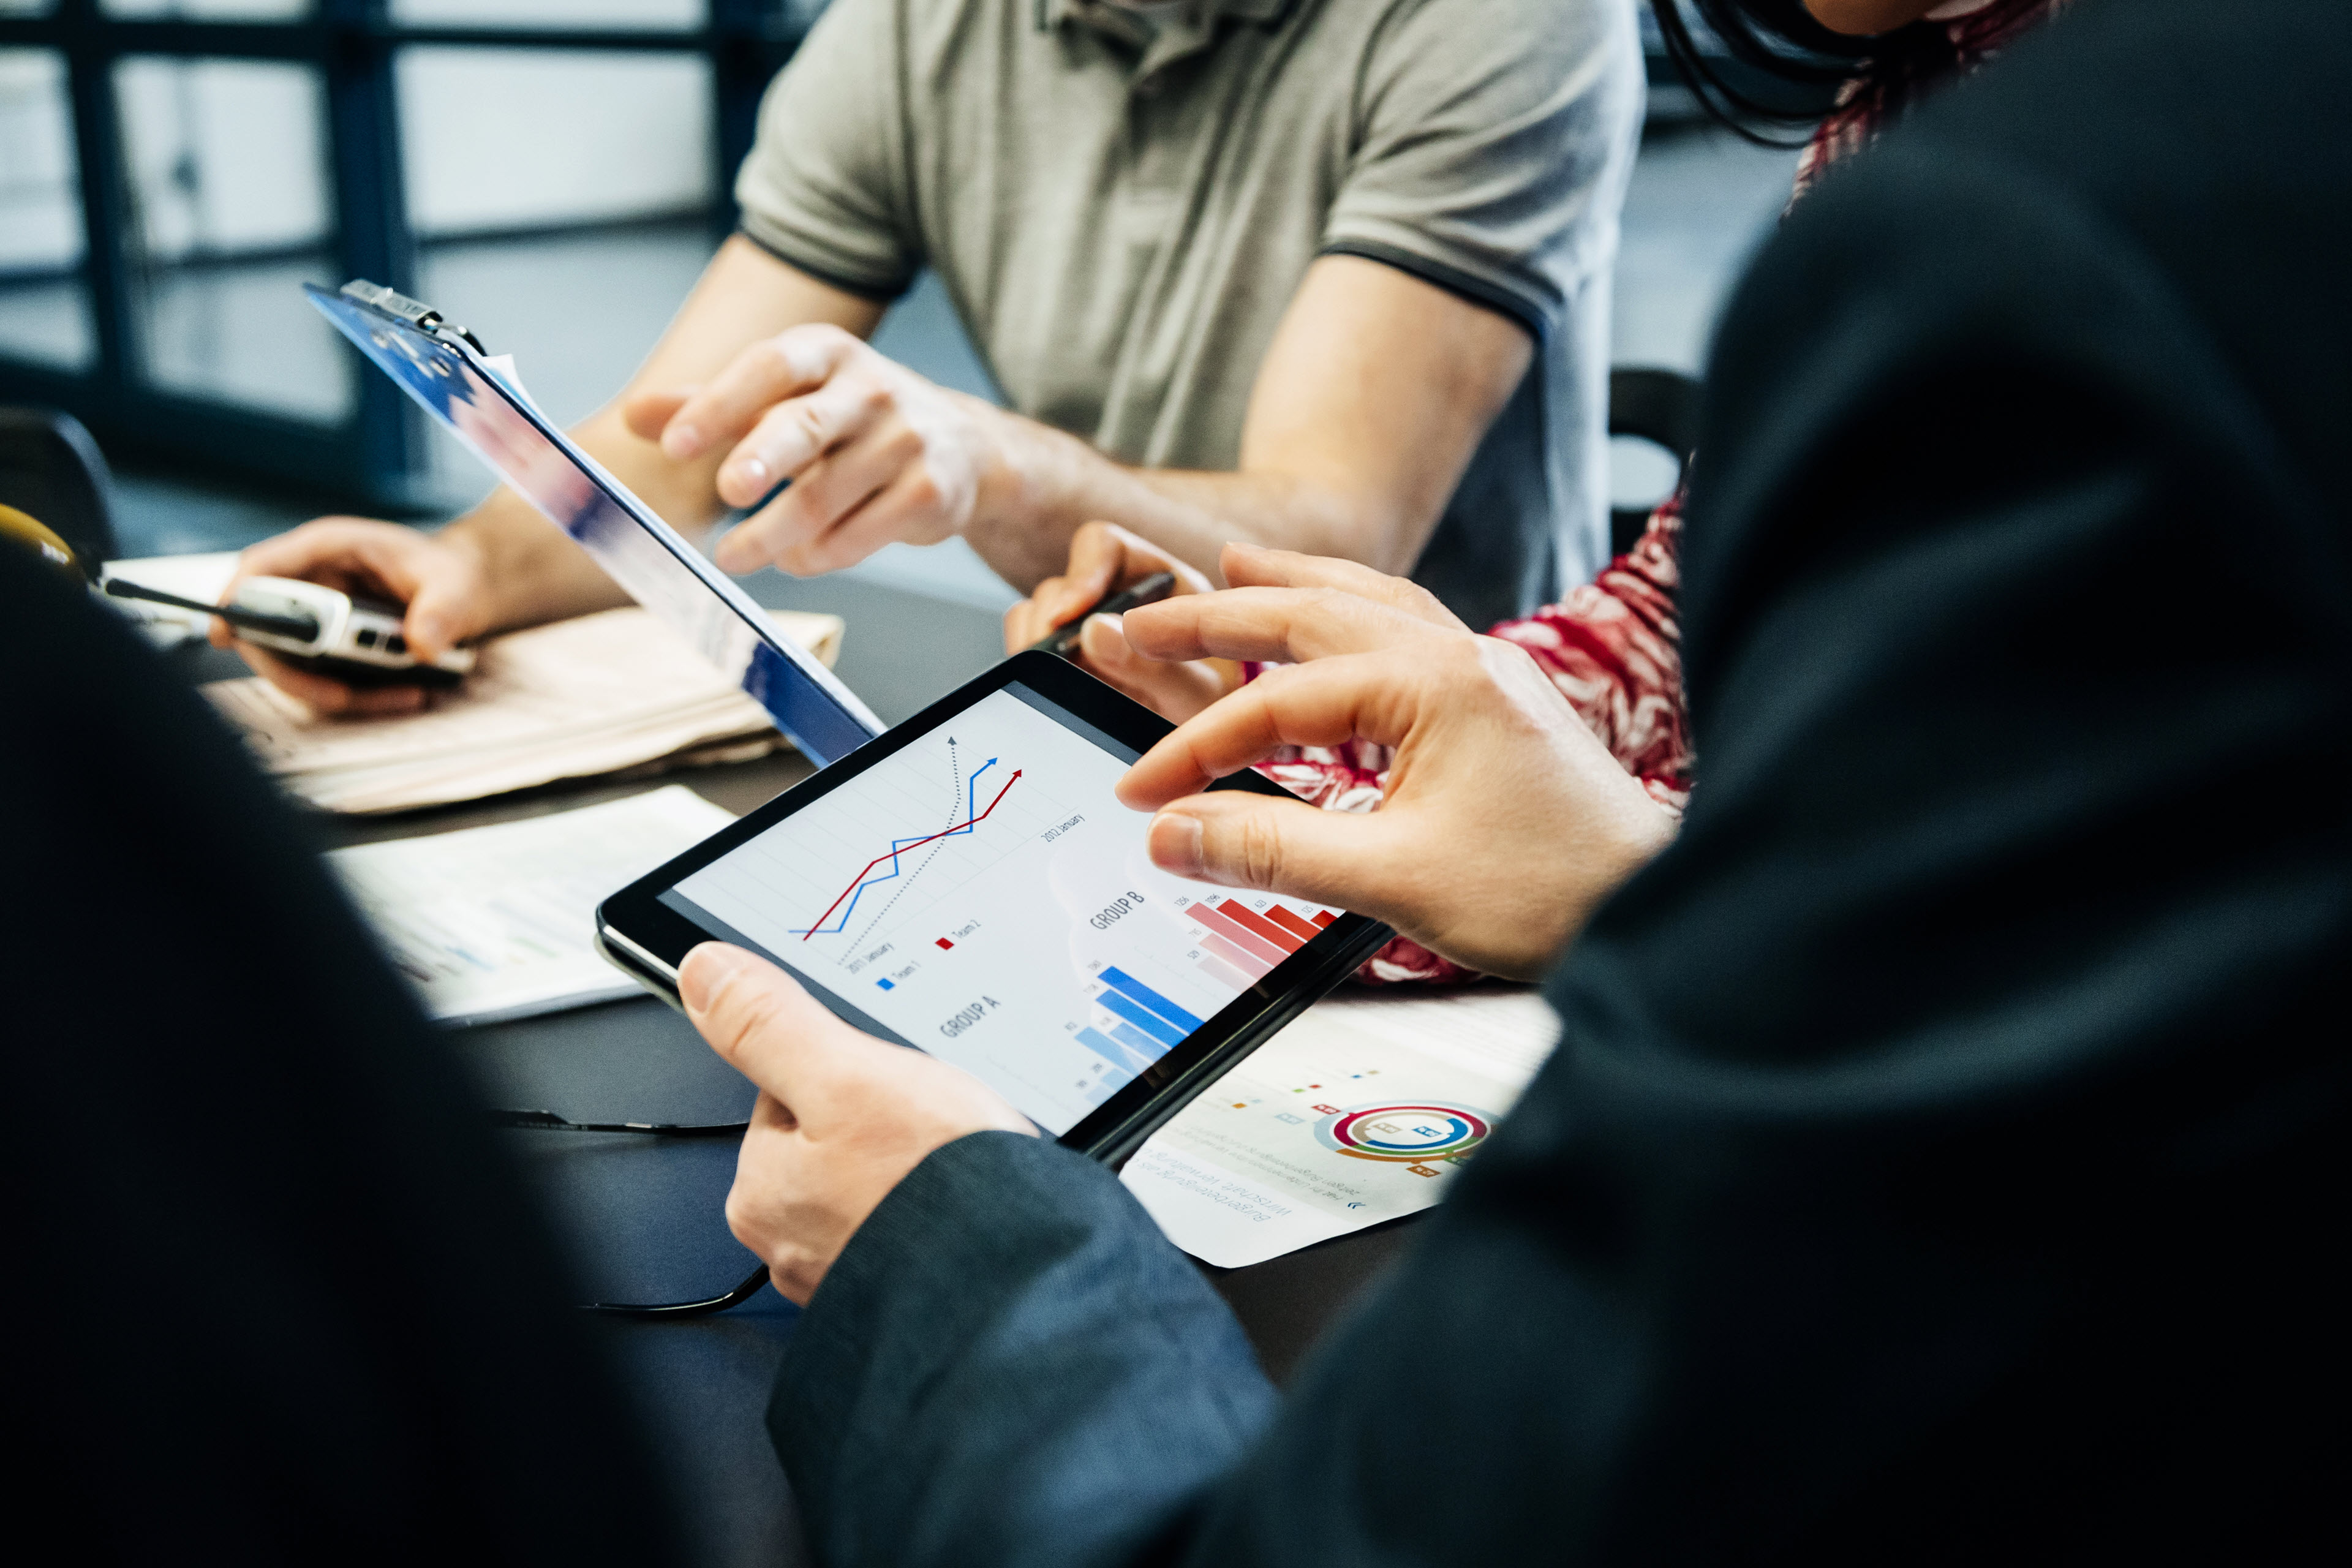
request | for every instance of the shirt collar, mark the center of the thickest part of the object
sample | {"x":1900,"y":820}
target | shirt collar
{"x":1196,"y":25}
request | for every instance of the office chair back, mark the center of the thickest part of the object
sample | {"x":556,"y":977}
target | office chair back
{"x":51,"y":471}
{"x":1656,"y":406}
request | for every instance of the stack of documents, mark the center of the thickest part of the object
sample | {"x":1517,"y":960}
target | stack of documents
{"x":1362,"y":1110}
{"x":496,"y":922}
{"x":571,"y":699}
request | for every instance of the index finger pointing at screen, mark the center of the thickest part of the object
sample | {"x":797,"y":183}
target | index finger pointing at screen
{"x":1288,"y":626}
{"x":1371,"y":697}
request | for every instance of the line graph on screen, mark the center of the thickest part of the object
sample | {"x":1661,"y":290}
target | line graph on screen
{"x":846,"y":903}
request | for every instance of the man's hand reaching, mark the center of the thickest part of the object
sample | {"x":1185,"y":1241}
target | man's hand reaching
{"x":875,"y":453}
{"x":1505,"y":823}
{"x":841,"y":1118}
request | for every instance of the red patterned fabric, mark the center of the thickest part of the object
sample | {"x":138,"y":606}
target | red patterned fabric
{"x":1612,"y":646}
{"x":1867,"y":104}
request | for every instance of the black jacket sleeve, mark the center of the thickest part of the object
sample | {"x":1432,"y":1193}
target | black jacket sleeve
{"x":1008,"y":1365}
{"x":1944,"y":1153}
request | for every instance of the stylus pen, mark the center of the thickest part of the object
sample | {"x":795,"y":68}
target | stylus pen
{"x":1063,"y":640}
{"x":300,"y":628}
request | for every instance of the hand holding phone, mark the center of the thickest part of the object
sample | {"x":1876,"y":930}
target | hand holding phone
{"x":344,"y":637}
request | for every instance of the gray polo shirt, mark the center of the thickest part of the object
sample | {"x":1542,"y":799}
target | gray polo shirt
{"x":1122,"y":209}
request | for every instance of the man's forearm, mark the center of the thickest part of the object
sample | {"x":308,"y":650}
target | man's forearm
{"x":532,"y":569}
{"x":1056,"y":482}
{"x":1365,"y":415}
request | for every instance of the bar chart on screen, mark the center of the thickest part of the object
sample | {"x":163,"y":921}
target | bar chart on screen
{"x":1234,"y":944}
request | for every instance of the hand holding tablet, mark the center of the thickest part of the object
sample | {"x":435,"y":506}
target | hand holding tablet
{"x":969,"y":885}
{"x":841,"y":1120}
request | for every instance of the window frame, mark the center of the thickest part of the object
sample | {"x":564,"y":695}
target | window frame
{"x":376,"y":456}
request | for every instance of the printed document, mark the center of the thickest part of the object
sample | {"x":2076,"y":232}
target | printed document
{"x":1362,"y":1110}
{"x":571,"y":699}
{"x":496,"y":922}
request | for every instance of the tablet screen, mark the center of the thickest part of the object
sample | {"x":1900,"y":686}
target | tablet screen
{"x":981,"y":895}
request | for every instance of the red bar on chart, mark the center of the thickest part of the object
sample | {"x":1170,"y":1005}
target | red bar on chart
{"x":1217,"y":920}
{"x":1260,"y":925}
{"x":1291,"y":924}
{"x":1324,"y":916}
{"x":1232,"y":952}
{"x":945,"y":945}
{"x":1224,"y":974}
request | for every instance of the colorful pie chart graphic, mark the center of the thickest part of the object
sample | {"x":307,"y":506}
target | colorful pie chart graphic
{"x":1408,"y":1134}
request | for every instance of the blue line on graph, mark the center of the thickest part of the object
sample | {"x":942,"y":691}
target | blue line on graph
{"x":971,"y":808}
{"x":1149,"y":999}
{"x":1118,"y":1056}
{"x":1128,"y":1035}
{"x":1141,"y":1016}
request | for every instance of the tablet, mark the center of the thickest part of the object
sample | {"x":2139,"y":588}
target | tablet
{"x":969,"y":885}
{"x":477,"y":400}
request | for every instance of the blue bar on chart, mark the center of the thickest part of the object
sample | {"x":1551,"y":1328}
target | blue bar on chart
{"x":1152,"y":1049}
{"x":1149,"y":999}
{"x":1142,"y":1017}
{"x":1117,"y":1054}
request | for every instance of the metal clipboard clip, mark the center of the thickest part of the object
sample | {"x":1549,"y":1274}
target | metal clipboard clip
{"x":415,"y":312}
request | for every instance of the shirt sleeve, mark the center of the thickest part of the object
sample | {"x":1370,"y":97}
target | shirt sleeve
{"x":1613,"y":648}
{"x":1493,"y":139}
{"x":825,"y":188}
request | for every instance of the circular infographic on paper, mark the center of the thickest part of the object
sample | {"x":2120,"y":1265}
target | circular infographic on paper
{"x":1410,"y":1134}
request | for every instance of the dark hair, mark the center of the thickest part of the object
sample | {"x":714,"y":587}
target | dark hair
{"x":1777,"y":67}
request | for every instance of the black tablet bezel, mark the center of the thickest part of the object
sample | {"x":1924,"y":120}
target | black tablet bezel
{"x":1119,"y":1125}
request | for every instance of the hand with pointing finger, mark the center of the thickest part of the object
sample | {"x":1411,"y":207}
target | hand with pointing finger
{"x":1504,"y":824}
{"x":841,"y":1118}
{"x":1105,"y":557}
{"x":875,"y":453}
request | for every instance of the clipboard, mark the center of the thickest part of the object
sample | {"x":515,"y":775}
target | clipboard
{"x":442,"y":366}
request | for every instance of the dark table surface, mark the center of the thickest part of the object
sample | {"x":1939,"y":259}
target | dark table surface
{"x":645,"y":1218}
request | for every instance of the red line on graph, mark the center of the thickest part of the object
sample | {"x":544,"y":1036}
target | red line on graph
{"x":893,"y":854}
